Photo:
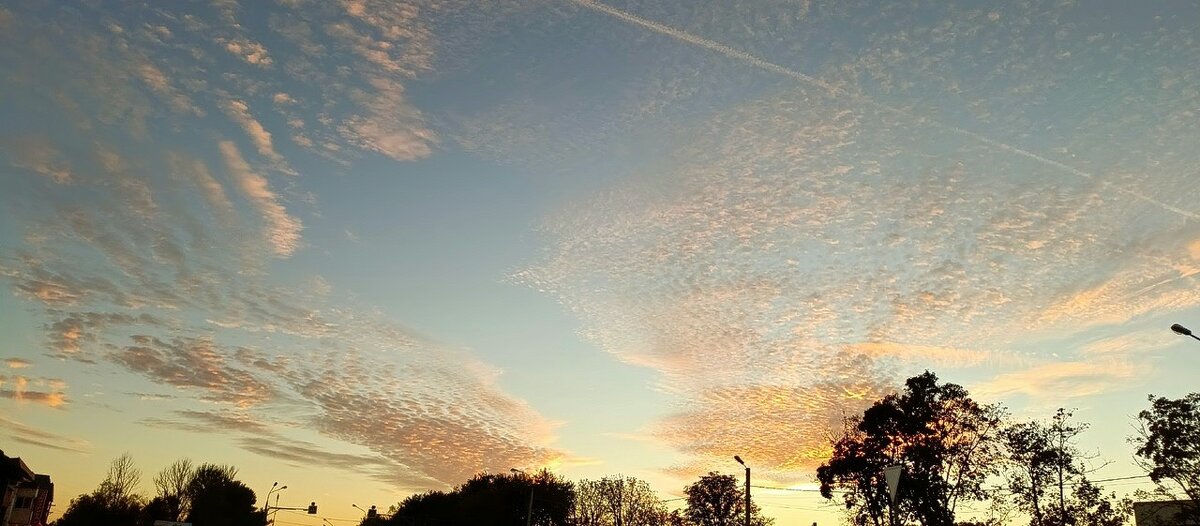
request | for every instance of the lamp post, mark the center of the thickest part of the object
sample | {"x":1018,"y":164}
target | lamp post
{"x":1183,"y":331}
{"x":267,"y":501}
{"x":528,"y":510}
{"x":359,"y":509}
{"x":739,"y":461}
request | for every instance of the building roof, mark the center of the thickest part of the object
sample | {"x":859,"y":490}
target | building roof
{"x":14,"y":469}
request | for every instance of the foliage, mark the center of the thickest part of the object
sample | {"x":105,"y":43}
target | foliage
{"x":1090,"y":507}
{"x":1047,"y":476}
{"x":1168,"y":447}
{"x":160,"y":508}
{"x":718,"y":500}
{"x":121,"y":481}
{"x":94,"y":510}
{"x":172,"y":503}
{"x":946,"y":442}
{"x":217,"y":498}
{"x":1042,"y":461}
{"x":113,"y":502}
{"x":492,"y":500}
{"x":617,"y":501}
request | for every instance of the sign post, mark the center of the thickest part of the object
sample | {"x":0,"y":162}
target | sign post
{"x":891,"y":474}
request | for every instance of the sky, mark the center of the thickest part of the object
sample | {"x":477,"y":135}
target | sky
{"x":366,"y":248}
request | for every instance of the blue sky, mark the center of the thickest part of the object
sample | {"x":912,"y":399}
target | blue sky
{"x":419,"y":240}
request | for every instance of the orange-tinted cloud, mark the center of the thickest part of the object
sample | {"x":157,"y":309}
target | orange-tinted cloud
{"x":283,"y":230}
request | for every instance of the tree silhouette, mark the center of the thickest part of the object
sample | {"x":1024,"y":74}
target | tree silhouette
{"x":947,"y":444}
{"x":717,"y":500}
{"x":1044,"y":464}
{"x":1168,"y":448}
{"x":486,"y":499}
{"x":113,"y":503}
{"x":218,"y":499}
{"x":616,"y":501}
{"x":172,"y":503}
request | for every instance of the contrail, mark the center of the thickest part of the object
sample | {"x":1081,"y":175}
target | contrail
{"x":757,"y":62}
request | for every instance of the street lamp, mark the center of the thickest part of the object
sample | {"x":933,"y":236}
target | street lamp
{"x":1183,"y":331}
{"x":359,"y":509}
{"x":739,"y":461}
{"x":274,"y":510}
{"x":267,"y":501}
{"x":529,"y":510}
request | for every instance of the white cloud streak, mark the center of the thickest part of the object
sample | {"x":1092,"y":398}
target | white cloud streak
{"x":283,"y":230}
{"x":757,"y":62}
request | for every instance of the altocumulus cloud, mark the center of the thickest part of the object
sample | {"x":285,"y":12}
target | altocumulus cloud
{"x":157,"y":260}
{"x":799,"y":253}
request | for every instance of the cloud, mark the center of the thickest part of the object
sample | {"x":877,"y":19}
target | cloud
{"x":1061,"y":380}
{"x":37,"y":155}
{"x":211,"y":421}
{"x":26,"y":434}
{"x":283,"y":230}
{"x":53,"y":396}
{"x":17,"y":363}
{"x":799,"y":228}
{"x":426,"y":414}
{"x":240,"y":113}
{"x":74,"y":335}
{"x":159,"y":83}
{"x":194,"y":363}
{"x":144,"y":265}
{"x":250,"y":51}
{"x":196,"y":172}
{"x":391,"y":126}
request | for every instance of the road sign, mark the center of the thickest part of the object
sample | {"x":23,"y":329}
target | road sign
{"x":892,"y":474}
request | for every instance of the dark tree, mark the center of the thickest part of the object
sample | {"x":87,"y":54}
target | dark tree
{"x":94,"y":510}
{"x":617,"y":501}
{"x":589,"y":508}
{"x":947,"y":443}
{"x":1168,"y":448}
{"x":1089,"y":506}
{"x":1047,"y":476}
{"x":113,"y":503}
{"x":161,"y":508}
{"x":501,"y":500}
{"x":718,"y":500}
{"x":171,"y":483}
{"x":218,"y":499}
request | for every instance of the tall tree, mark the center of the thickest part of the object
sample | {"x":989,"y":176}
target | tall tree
{"x":1168,"y":448}
{"x":486,"y":499}
{"x":1047,"y":475}
{"x":617,"y":501}
{"x":122,"y":479}
{"x":114,"y":502}
{"x":946,"y":443}
{"x":218,"y":499}
{"x":717,"y":500}
{"x":589,"y":508}
{"x":171,"y":503}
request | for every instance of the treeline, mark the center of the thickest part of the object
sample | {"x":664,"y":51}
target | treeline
{"x":204,"y":495}
{"x":545,"y":499}
{"x":954,"y":452}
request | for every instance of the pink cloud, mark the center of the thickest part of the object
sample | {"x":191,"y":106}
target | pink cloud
{"x":37,"y":155}
{"x":250,"y":51}
{"x":283,"y":230}
{"x":240,"y":113}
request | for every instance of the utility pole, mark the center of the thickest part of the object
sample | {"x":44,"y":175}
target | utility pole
{"x":739,"y":461}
